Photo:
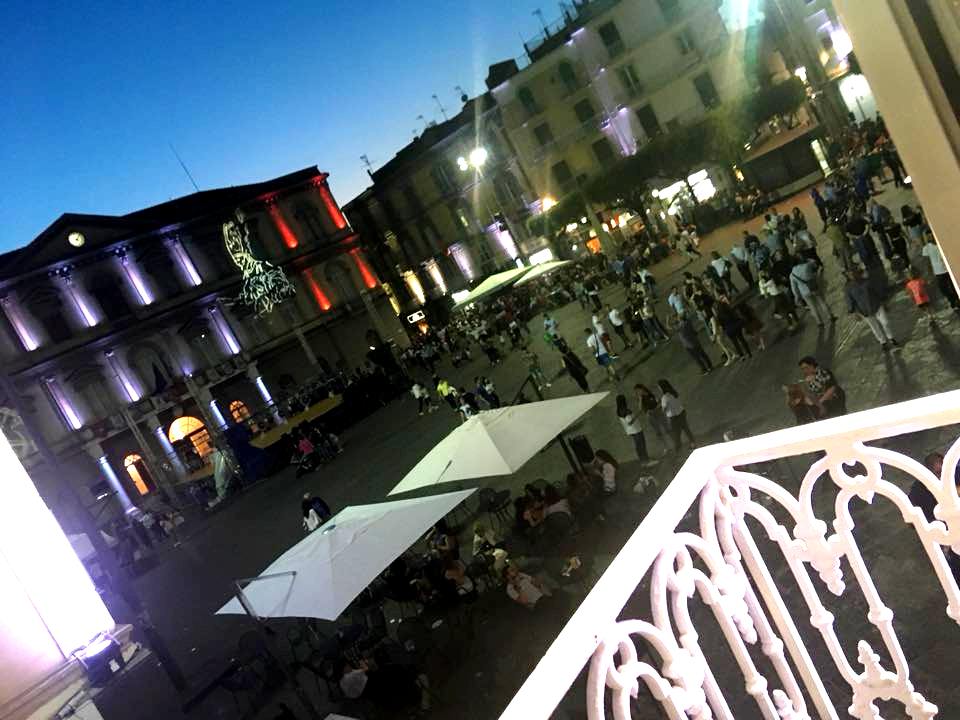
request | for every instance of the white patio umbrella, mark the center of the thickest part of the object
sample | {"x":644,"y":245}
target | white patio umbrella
{"x":496,"y":442}
{"x":322,"y":574}
{"x":491,"y":284}
{"x":541,"y":270}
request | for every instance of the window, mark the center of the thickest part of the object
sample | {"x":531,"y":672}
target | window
{"x":411,"y":198}
{"x":584,"y":110}
{"x":442,"y":179}
{"x":97,"y":399}
{"x":631,"y":83}
{"x":239,"y":411}
{"x":188,"y":433}
{"x":604,"y":152}
{"x":706,"y":90}
{"x":561,"y":173}
{"x":648,"y":121}
{"x":543,"y":134}
{"x":105,"y":289}
{"x":611,"y":39}
{"x":568,"y":76}
{"x":528,"y":101}
{"x":685,"y":41}
{"x":670,"y":9}
{"x":138,"y":473}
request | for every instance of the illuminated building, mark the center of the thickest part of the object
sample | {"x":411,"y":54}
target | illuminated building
{"x":113,"y":328}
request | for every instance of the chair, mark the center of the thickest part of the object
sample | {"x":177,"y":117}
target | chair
{"x":495,"y":504}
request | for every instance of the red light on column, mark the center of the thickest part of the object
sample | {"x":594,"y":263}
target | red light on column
{"x":289,"y":239}
{"x":369,"y":279}
{"x":331,"y":205}
{"x":318,"y":294}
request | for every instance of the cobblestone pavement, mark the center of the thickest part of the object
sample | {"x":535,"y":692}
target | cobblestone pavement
{"x":482,"y":669}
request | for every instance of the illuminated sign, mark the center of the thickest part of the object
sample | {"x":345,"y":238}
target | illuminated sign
{"x":415,"y":317}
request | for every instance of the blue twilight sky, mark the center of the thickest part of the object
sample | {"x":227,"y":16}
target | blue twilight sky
{"x":94,"y":92}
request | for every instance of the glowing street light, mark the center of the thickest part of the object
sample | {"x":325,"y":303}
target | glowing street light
{"x":548,"y":202}
{"x":478,"y":156}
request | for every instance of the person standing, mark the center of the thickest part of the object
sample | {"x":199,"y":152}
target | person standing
{"x":805,"y":285}
{"x":631,"y":426}
{"x":782,"y":304}
{"x":575,"y":369}
{"x":676,"y":414}
{"x":742,"y":260}
{"x":918,"y":293}
{"x":601,"y":331}
{"x":447,"y":392}
{"x":423,"y":398}
{"x":551,"y":329}
{"x":650,"y":407}
{"x":691,"y":343}
{"x":599,"y":351}
{"x":722,"y":266}
{"x":535,"y":369}
{"x":619,"y":327}
{"x":732,"y":325}
{"x":651,"y":322}
{"x":931,"y":251}
{"x":593,"y":293}
{"x":820,"y":204}
{"x":863,"y":299}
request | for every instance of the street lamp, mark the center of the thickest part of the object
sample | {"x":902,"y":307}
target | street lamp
{"x":476,"y":159}
{"x":548,"y":202}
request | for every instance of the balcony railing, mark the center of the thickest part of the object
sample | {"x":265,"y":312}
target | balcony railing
{"x":695,"y":547}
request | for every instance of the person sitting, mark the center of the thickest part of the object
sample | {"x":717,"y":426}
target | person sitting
{"x":484,"y":539}
{"x":444,"y":543}
{"x":524,"y":589}
{"x":605,"y":467}
{"x":455,"y":572}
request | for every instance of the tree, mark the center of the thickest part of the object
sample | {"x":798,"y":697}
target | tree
{"x":549,"y":223}
{"x":782,"y":99}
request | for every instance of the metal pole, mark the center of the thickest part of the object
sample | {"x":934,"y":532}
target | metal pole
{"x":121,"y":581}
{"x":268,"y":641}
{"x":571,"y":456}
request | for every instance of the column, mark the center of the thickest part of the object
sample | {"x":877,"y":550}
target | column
{"x":12,"y":310}
{"x":106,"y":469}
{"x":914,"y":103}
{"x":160,"y":434}
{"x":154,"y":465}
{"x":253,"y":372}
{"x":307,"y":350}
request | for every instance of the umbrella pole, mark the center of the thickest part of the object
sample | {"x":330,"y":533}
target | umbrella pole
{"x":268,"y":642}
{"x":571,"y":458}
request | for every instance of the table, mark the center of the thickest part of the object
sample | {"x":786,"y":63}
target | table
{"x":314,"y":411}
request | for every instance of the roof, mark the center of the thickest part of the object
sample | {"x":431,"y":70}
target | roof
{"x":47,"y":247}
{"x":433,"y":135}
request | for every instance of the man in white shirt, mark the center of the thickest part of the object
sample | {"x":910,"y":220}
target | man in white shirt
{"x":931,"y":251}
{"x":741,"y":259}
{"x":601,"y":332}
{"x":616,"y":319}
{"x":722,"y":266}
{"x":599,"y":351}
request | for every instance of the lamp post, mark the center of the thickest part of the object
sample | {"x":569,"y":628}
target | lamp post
{"x":476,"y":159}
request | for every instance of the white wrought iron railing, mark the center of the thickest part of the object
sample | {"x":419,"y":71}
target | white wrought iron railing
{"x":714,"y":557}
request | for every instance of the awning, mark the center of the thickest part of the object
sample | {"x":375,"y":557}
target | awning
{"x":542,"y":269}
{"x":492,"y":284}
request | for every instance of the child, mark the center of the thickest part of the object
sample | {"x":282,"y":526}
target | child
{"x":918,"y":291}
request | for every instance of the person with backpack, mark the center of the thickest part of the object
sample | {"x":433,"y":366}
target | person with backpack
{"x":599,"y":351}
{"x":805,"y":285}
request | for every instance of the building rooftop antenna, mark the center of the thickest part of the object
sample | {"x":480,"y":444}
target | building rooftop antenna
{"x":180,"y":160}
{"x":443,"y":110}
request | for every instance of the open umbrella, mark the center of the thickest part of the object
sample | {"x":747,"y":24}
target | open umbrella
{"x":322,"y":574}
{"x":541,"y":270}
{"x":496,"y":442}
{"x":491,"y":284}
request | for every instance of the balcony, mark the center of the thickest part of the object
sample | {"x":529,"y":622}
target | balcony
{"x":789,"y":615}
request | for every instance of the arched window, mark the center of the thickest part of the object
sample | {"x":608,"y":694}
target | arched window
{"x":239,"y":410}
{"x":189,"y":428}
{"x":138,"y":472}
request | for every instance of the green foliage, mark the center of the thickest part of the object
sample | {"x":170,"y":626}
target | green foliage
{"x":784,"y":98}
{"x":551,"y":222}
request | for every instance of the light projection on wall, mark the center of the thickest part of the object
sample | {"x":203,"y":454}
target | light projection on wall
{"x":264,"y":285}
{"x":47,"y":600}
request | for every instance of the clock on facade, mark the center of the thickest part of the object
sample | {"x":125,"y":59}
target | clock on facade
{"x":76,"y":239}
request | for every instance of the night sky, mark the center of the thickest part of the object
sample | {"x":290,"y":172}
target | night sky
{"x":94,"y":93}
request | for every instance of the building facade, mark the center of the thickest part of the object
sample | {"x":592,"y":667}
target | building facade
{"x":447,"y":209}
{"x":122,"y":337}
{"x":608,"y":77}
